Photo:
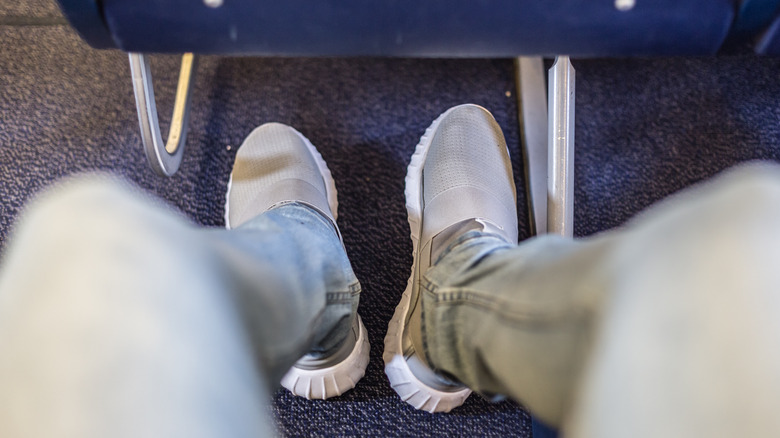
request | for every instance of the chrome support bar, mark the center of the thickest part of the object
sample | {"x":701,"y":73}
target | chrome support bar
{"x":560,"y":133}
{"x":164,"y":158}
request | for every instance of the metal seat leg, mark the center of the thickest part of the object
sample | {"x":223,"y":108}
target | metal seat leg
{"x":164,"y":158}
{"x":547,"y":131}
{"x":532,"y":106}
{"x":560,"y":168}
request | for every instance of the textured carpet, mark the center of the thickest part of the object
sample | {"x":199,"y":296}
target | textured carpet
{"x":645,"y":129}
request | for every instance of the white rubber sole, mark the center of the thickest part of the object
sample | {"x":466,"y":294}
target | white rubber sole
{"x":410,"y":388}
{"x":335,"y":380}
{"x":330,"y":184}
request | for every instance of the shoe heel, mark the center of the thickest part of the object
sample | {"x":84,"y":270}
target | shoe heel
{"x":418,"y":392}
{"x":333,"y":380}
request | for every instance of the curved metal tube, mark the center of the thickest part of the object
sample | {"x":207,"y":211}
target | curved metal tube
{"x":164,"y":158}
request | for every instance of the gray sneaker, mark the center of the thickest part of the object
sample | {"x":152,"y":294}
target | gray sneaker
{"x":277,"y":165}
{"x":459,"y":179}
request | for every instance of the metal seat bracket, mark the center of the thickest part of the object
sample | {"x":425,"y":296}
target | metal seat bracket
{"x":164,"y":158}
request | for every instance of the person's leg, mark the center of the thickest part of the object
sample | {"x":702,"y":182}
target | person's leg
{"x":665,"y":327}
{"x":459,"y":181}
{"x":115,"y":322}
{"x":297,"y":292}
{"x":687,"y":344}
{"x":119,"y":318}
{"x":282,"y":199}
{"x":668,"y":326}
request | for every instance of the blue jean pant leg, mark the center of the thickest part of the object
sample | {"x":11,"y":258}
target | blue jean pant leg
{"x":114,"y":321}
{"x":294,"y":283}
{"x":667,"y":326}
{"x":120,"y":318}
{"x":498,"y":318}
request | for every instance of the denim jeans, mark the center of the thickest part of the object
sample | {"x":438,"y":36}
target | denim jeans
{"x":668,"y":326}
{"x":120,"y":318}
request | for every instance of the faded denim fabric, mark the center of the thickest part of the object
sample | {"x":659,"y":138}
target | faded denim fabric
{"x":667,"y":326}
{"x":120,"y":318}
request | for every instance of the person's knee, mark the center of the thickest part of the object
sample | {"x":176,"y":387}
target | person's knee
{"x":91,"y":209}
{"x":79,"y":199}
{"x":755,"y":184}
{"x":744,"y":204}
{"x":693,"y":285}
{"x":733,"y":205}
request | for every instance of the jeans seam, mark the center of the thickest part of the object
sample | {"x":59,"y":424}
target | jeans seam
{"x":426,"y":288}
{"x":338,"y":298}
{"x":355,"y":288}
{"x":498,"y":308}
{"x":341,"y":297}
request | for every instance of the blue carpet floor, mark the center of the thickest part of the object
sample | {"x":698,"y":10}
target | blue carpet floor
{"x":645,"y":128}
